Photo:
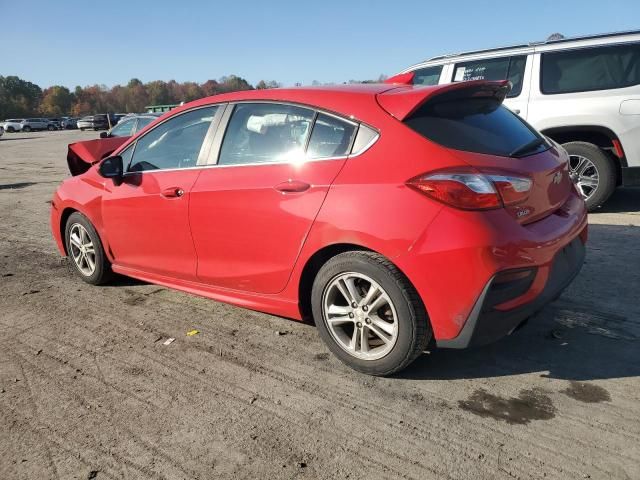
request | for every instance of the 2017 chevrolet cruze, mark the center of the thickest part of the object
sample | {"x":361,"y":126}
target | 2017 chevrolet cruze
{"x":393,"y":215}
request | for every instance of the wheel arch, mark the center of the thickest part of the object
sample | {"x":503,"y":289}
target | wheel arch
{"x":598,"y":135}
{"x":315,"y":263}
{"x":64,"y":216}
{"x":313,"y":266}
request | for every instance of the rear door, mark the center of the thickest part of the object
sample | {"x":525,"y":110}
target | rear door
{"x":251,"y":212}
{"x":147,"y":215}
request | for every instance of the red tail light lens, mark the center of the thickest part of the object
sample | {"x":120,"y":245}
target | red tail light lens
{"x":469,"y":190}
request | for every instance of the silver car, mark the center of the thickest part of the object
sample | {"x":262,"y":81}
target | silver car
{"x":33,"y":124}
{"x":130,"y":124}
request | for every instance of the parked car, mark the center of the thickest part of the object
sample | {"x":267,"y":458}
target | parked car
{"x":12,"y":125}
{"x":97,"y":122}
{"x":392,"y":215}
{"x":69,"y":123}
{"x":34,"y":124}
{"x":57,"y":122}
{"x":1,"y":130}
{"x":584,"y":93}
{"x":130,"y":124}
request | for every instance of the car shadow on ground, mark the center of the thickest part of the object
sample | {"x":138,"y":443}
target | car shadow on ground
{"x":621,"y":201}
{"x":591,"y":332}
{"x":16,"y":186}
{"x":3,"y":139}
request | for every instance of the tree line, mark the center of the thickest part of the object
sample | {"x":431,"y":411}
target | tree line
{"x":20,"y":98}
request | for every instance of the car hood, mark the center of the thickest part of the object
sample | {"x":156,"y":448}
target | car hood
{"x":81,"y":155}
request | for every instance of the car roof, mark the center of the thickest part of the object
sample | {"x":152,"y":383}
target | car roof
{"x":528,"y":48}
{"x":351,"y":99}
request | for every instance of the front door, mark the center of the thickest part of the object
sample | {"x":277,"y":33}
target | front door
{"x":251,"y":213}
{"x":147,"y":216}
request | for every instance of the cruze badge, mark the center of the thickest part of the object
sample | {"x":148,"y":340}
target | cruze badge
{"x":557,"y":178}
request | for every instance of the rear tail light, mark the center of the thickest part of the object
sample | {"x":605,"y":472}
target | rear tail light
{"x":473,"y":190}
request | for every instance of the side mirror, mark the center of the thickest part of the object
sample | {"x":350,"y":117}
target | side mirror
{"x":111,"y":167}
{"x":104,"y":134}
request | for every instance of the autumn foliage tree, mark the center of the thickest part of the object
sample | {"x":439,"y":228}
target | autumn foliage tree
{"x":19,"y":98}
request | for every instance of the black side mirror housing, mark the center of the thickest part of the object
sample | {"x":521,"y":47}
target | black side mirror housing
{"x":111,"y":167}
{"x":104,"y":134}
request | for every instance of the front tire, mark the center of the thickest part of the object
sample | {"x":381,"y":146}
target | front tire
{"x":51,"y":128}
{"x":26,"y":129}
{"x":368,"y":313}
{"x":592,"y":171}
{"x":11,"y":129}
{"x":85,"y":250}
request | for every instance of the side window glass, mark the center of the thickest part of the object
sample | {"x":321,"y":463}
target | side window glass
{"x":330,"y":137}
{"x":265,"y":132}
{"x":174,"y":144}
{"x":589,"y":69}
{"x":510,"y":68}
{"x":143,"y":122}
{"x":516,"y":75}
{"x":124,"y":129}
{"x":126,"y":156}
{"x":427,"y":75}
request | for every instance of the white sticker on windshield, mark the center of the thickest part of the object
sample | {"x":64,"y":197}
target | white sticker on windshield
{"x":459,"y":74}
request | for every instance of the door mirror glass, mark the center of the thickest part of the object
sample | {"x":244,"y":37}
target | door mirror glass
{"x":111,"y":167}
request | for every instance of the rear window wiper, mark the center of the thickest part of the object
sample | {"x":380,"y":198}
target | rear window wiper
{"x":536,"y":142}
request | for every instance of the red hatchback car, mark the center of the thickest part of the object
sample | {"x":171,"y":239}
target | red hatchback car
{"x":393,"y":215}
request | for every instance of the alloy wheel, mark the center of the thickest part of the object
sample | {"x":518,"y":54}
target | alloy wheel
{"x":360,"y":316}
{"x":584,"y":174}
{"x":82,"y":249}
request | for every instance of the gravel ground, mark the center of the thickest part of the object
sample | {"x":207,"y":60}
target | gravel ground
{"x":89,"y":390}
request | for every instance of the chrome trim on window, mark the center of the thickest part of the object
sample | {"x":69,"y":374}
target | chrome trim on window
{"x":215,"y":135}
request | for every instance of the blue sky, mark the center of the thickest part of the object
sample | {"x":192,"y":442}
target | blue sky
{"x":81,"y":42}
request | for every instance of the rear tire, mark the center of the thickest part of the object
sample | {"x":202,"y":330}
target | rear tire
{"x":396,"y":311}
{"x":26,"y":129}
{"x":85,"y":251}
{"x":82,"y":129}
{"x":597,"y":162}
{"x":11,"y":129}
{"x":51,"y":128}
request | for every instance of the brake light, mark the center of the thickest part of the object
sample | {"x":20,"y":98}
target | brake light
{"x":473,"y":190}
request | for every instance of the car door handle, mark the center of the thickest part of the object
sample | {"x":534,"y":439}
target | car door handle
{"x":292,"y":186}
{"x":172,"y":192}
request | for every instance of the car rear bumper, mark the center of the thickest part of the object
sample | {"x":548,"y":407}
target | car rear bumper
{"x":460,"y":254}
{"x":487,"y":324}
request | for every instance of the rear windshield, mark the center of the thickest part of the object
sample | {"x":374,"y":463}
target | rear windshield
{"x":481,"y":125}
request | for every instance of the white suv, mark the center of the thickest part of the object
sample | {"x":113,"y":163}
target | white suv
{"x":12,"y":125}
{"x":584,"y":93}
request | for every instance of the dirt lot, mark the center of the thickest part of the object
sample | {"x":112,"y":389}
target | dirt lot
{"x":88,"y":390}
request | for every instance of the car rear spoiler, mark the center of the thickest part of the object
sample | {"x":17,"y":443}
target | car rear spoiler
{"x":81,"y":155}
{"x":402,"y":101}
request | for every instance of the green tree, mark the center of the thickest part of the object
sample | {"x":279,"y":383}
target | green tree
{"x":18,"y":97}
{"x":261,"y":85}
